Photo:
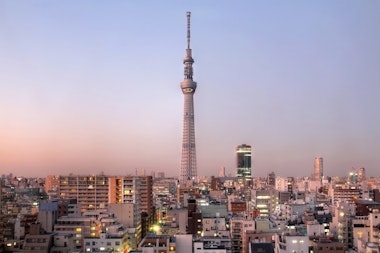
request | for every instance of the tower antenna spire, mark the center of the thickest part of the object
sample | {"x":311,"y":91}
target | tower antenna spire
{"x":188,"y":14}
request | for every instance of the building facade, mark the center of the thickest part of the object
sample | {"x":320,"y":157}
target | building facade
{"x":90,"y":191}
{"x":244,"y":163}
{"x":318,"y":168}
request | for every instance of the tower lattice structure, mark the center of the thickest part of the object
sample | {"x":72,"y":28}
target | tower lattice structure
{"x":188,"y":87}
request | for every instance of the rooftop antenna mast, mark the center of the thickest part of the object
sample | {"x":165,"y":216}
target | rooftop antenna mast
{"x":188,"y":29}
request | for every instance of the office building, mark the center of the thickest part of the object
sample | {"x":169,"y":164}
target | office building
{"x":361,"y":174}
{"x":265,"y":201}
{"x":222,"y":172}
{"x":318,"y":168}
{"x":243,"y":163}
{"x":271,"y":179}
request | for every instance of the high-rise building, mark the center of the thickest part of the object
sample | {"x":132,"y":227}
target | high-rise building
{"x":90,"y":191}
{"x":271,"y":179}
{"x":290,"y":184}
{"x":361,"y":174}
{"x":94,"y":192}
{"x":160,"y":174}
{"x":243,"y":162}
{"x":353,"y":176}
{"x":146,"y":195}
{"x":188,"y":86}
{"x":52,"y":186}
{"x":222,"y":172}
{"x":318,"y":168}
{"x":2,"y":223}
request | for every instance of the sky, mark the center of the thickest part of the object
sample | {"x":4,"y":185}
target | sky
{"x":89,"y":87}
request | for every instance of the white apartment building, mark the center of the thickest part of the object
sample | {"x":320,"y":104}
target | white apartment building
{"x":105,"y":243}
{"x":91,"y":228}
{"x":202,"y":247}
{"x":291,"y":242}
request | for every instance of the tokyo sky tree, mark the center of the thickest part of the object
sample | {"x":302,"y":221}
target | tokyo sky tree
{"x":188,"y":86}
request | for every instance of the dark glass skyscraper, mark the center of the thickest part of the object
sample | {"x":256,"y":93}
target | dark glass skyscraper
{"x":244,"y":162}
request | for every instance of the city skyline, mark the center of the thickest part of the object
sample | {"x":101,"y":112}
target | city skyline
{"x":92,"y":87}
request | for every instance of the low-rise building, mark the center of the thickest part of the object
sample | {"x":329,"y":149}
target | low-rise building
{"x":324,"y":245}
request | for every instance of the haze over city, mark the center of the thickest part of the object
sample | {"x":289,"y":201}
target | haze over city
{"x":94,"y":86}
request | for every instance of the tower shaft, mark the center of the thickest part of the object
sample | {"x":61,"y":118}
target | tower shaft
{"x":188,"y":160}
{"x":188,"y":86}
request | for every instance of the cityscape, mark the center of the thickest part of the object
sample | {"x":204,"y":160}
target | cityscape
{"x":77,"y":177}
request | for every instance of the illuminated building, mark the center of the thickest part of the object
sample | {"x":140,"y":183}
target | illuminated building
{"x":90,"y":191}
{"x":158,"y":243}
{"x":361,"y":174}
{"x":52,"y":185}
{"x":95,"y":229}
{"x":265,"y":201}
{"x":353,"y":177}
{"x":291,"y":242}
{"x":243,"y":163}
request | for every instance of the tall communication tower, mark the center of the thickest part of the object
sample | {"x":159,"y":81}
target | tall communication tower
{"x":188,"y":86}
